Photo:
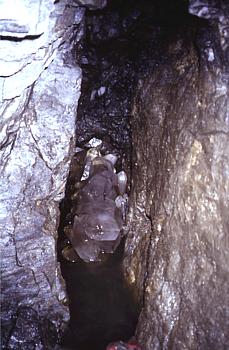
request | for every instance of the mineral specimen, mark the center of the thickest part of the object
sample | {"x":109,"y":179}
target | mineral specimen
{"x":100,"y":209}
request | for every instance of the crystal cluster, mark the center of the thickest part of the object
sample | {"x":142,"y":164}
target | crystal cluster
{"x":101,"y":207}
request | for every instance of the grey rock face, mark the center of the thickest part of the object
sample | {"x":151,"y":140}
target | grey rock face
{"x":177,"y":248}
{"x":40,"y":87}
{"x":24,"y":18}
{"x":23,"y":60}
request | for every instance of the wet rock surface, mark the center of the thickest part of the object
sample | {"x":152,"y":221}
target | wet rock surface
{"x":102,"y":309}
{"x":177,"y":247}
{"x":37,"y":142}
{"x":155,"y":90}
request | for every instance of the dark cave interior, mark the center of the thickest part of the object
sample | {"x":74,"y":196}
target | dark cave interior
{"x":120,"y":43}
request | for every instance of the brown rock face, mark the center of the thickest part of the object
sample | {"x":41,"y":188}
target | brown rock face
{"x":177,"y":248}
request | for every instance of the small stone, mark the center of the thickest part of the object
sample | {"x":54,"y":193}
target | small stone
{"x":101,"y":91}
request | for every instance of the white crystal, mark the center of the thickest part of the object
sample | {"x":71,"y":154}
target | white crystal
{"x":122,"y":181}
{"x":94,"y":142}
{"x":121,"y":203}
{"x":98,"y":220}
{"x":101,"y":90}
{"x":86,"y":171}
{"x":111,"y":157}
{"x":211,"y":55}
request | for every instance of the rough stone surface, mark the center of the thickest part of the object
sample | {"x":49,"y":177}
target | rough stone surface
{"x":93,"y":4}
{"x":22,"y":60}
{"x":40,"y":87}
{"x":24,"y":17}
{"x":177,"y":248}
{"x":216,"y":12}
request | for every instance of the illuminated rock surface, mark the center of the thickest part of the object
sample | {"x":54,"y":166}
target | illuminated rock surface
{"x":177,"y":247}
{"x":40,"y":86}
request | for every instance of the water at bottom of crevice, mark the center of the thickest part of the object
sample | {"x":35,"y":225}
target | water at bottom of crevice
{"x":102,"y":309}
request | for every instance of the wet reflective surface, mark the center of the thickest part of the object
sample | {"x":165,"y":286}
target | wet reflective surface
{"x":101,"y":307}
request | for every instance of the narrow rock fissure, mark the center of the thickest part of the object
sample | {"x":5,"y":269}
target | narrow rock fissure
{"x":120,"y":43}
{"x":102,"y":307}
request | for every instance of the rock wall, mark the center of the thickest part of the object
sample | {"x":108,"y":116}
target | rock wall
{"x":39,"y":90}
{"x":176,"y":255}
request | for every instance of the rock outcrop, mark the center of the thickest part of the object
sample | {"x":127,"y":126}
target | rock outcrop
{"x":177,"y":246}
{"x":40,"y":86}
